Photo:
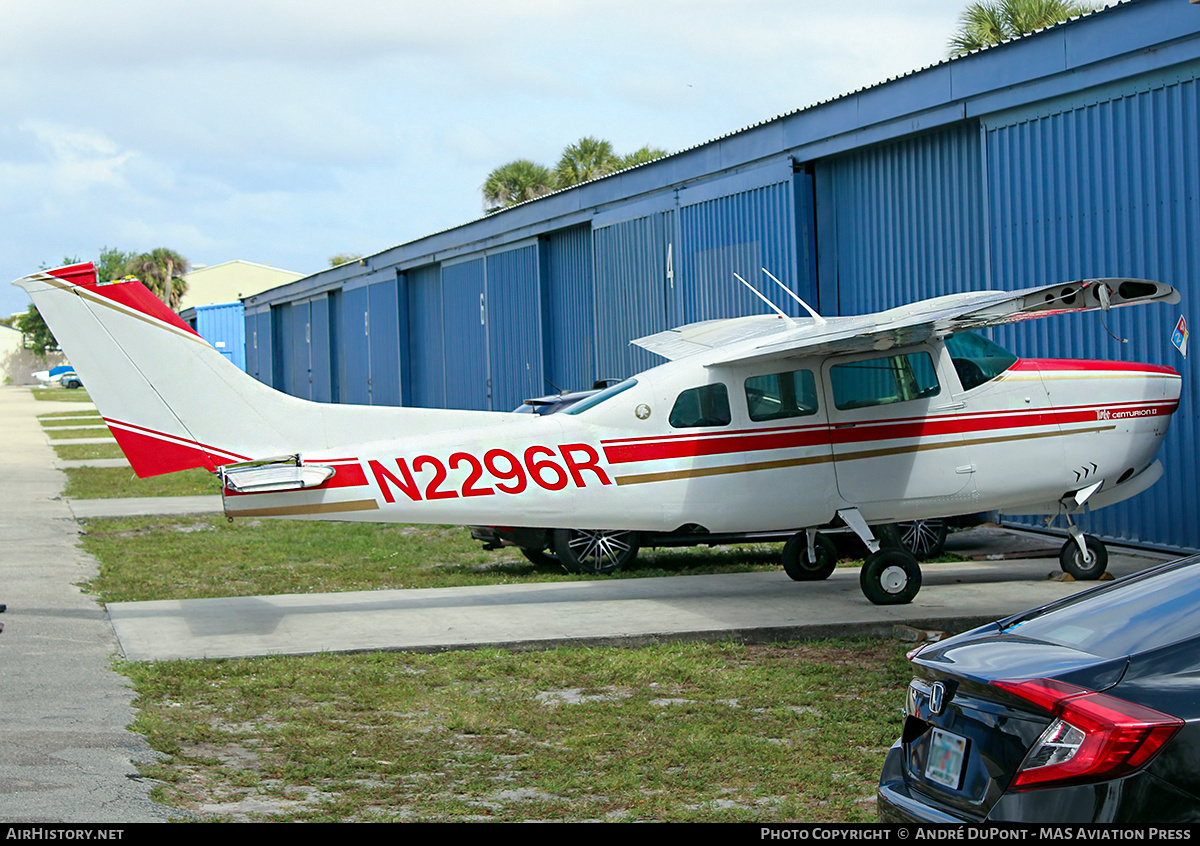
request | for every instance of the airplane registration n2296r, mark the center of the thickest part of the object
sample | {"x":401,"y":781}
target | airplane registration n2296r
{"x":763,"y":423}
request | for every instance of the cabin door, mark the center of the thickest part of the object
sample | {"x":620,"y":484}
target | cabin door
{"x":895,"y":430}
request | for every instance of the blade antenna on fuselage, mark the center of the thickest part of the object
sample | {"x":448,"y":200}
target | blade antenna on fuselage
{"x":818,"y":319}
{"x":770,"y":304}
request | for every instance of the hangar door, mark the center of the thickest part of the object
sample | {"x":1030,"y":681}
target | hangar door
{"x":492,"y":318}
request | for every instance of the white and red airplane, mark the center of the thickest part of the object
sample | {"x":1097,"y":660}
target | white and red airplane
{"x":755,"y":424}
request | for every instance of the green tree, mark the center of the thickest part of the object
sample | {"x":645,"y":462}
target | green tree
{"x":111,"y":264}
{"x":588,"y":158}
{"x":989,"y":22}
{"x":161,"y":270}
{"x":641,"y":156}
{"x":516,"y":182}
{"x":38,"y":336}
{"x":343,"y":258}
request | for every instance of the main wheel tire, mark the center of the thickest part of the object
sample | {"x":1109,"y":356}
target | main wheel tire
{"x":796,"y":562}
{"x":890,"y":577}
{"x":599,"y":552}
{"x":1073,"y":562}
{"x":923,"y":538}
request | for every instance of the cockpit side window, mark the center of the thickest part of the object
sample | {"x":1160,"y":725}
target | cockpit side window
{"x":977,"y":359}
{"x":707,"y":405}
{"x":879,"y":381}
{"x":778,"y":396}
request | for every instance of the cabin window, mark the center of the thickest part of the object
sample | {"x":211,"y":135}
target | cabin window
{"x":707,"y":405}
{"x":879,"y":381}
{"x":781,"y":395}
{"x":977,"y":359}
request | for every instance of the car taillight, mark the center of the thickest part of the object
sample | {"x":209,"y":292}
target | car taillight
{"x":1094,"y":738}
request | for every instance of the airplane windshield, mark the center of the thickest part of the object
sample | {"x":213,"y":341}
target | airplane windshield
{"x":977,"y":359}
{"x":596,"y":399}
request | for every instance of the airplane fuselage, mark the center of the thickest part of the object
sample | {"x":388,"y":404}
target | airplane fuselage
{"x":903,"y":434}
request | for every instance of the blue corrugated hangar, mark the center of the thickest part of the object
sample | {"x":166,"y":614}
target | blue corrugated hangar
{"x":1070,"y":153}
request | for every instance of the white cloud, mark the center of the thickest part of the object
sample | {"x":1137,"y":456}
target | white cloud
{"x":283,"y":131}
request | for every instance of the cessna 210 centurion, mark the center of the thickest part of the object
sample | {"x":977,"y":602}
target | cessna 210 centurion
{"x":763,"y":423}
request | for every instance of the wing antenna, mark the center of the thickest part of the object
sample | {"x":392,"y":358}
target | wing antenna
{"x":770,"y":304}
{"x":818,"y":319}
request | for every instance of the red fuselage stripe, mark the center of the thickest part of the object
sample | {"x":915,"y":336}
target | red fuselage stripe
{"x":721,"y":443}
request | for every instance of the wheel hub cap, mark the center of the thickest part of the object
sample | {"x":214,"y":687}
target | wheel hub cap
{"x":893,"y":579}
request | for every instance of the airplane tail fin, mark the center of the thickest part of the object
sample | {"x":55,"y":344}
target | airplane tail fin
{"x":171,"y":400}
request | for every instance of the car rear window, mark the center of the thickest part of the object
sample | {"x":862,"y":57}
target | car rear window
{"x":1157,"y":609}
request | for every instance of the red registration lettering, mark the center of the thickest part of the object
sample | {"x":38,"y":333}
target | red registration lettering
{"x":406,"y":484}
{"x":576,"y":468}
{"x":539,"y":467}
{"x":509,"y":474}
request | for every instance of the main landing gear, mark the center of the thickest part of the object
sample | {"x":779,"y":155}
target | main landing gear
{"x":889,"y":575}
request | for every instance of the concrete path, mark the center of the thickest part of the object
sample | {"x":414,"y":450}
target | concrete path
{"x":65,"y":754}
{"x":745,"y":606}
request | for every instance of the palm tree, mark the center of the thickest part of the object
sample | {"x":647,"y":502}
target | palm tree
{"x":989,"y":22}
{"x":641,"y":156}
{"x":588,"y":158}
{"x":516,"y":182}
{"x":161,"y":270}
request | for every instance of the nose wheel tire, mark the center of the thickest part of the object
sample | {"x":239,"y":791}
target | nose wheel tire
{"x":598,"y":552}
{"x":890,"y":577}
{"x":797,"y":564}
{"x":1084,"y":570}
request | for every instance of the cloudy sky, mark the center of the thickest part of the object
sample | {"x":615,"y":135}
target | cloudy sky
{"x":285,"y":131}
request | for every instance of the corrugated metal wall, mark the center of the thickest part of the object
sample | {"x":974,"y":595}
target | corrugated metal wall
{"x":464,"y":315}
{"x":355,"y":362}
{"x":631,"y":291}
{"x":514,"y":318}
{"x":1109,"y":186}
{"x":320,"y":350}
{"x":259,"y":346}
{"x":426,"y":355}
{"x":901,"y":222}
{"x":383,"y":305}
{"x":739,"y":233}
{"x":569,"y":327}
{"x":224,"y":326}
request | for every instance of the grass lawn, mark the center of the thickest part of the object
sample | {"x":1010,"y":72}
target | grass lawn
{"x":70,"y":433}
{"x":78,"y":452}
{"x":104,"y":482}
{"x":62,"y":394}
{"x":682,"y":732}
{"x":206,"y":555}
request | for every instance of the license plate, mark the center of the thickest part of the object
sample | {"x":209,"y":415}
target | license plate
{"x":944,"y":765}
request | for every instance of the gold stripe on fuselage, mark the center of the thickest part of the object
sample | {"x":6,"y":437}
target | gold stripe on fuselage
{"x":700,"y":472}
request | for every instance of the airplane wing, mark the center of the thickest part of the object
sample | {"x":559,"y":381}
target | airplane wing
{"x":744,"y":340}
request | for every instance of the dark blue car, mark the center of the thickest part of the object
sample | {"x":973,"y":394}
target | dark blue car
{"x":1084,"y":710}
